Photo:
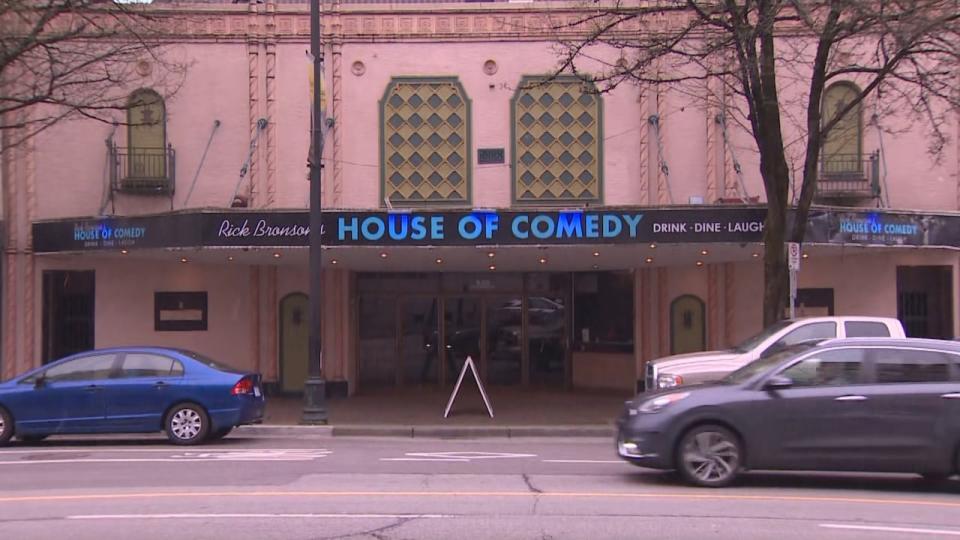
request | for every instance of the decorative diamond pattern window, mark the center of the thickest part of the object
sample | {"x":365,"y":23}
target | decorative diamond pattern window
{"x":425,"y":142}
{"x":557,"y":129}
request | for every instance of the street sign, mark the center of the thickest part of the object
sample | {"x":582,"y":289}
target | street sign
{"x":793,"y":255}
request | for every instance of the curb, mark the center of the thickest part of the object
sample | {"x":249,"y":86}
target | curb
{"x":431,"y":431}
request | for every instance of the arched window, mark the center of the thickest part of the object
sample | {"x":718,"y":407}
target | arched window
{"x":843,"y":145}
{"x":146,"y":137}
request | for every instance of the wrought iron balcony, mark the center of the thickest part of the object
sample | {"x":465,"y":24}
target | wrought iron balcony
{"x":849,"y":176}
{"x":144,"y":171}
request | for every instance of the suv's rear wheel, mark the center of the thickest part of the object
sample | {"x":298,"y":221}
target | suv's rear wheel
{"x":6,"y":426}
{"x":709,"y":456}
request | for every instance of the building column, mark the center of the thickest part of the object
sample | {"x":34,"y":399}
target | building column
{"x":19,"y":336}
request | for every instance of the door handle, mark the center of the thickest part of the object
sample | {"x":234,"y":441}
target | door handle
{"x":160,"y":385}
{"x":91,"y":388}
{"x":850,"y":398}
{"x":952,"y":395}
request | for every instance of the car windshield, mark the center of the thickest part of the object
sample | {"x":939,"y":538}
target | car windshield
{"x":209,"y":362}
{"x":764,"y":363}
{"x":751,"y":342}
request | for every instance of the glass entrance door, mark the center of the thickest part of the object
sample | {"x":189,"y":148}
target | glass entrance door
{"x":419,"y":343}
{"x":546,"y":329}
{"x":419,"y":329}
{"x":504,"y":339}
{"x":377,"y":343}
{"x":462,"y":321}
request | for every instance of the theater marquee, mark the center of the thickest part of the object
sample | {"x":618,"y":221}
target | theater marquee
{"x":484,"y":227}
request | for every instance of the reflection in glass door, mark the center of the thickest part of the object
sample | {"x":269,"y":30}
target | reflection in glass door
{"x":419,"y":345}
{"x":504,"y":340}
{"x":377,"y":344}
{"x":546,"y":328}
{"x":461,"y":330}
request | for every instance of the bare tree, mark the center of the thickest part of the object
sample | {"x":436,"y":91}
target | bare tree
{"x":771,"y":61}
{"x":62,"y":59}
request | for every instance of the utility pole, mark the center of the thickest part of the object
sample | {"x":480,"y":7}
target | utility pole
{"x":314,"y":388}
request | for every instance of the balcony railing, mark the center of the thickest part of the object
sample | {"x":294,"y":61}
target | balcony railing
{"x":144,"y":171}
{"x":849,"y":176}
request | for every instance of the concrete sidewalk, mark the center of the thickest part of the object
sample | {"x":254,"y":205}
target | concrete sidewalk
{"x":418,"y":412}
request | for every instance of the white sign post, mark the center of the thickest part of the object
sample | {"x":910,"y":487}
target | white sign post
{"x":793,"y":262}
{"x":456,"y":389}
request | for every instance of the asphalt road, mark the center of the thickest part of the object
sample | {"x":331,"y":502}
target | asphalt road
{"x":394,"y":488}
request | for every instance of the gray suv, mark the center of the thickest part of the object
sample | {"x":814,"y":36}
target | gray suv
{"x":856,"y":404}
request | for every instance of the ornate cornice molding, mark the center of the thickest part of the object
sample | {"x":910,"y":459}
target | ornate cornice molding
{"x":363,"y":24}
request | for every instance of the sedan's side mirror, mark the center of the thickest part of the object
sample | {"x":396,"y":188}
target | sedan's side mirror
{"x":40,"y":381}
{"x":778,"y":382}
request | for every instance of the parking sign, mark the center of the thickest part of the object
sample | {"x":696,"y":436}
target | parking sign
{"x":793,"y":255}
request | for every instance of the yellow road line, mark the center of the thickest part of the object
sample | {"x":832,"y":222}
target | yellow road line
{"x":481,"y":494}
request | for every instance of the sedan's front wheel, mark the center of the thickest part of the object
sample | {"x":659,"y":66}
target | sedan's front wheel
{"x":6,"y":426}
{"x":709,"y":456}
{"x":187,"y":424}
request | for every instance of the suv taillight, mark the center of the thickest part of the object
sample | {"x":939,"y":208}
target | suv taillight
{"x":243,"y":386}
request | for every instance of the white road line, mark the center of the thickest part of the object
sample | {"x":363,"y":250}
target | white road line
{"x":456,"y":456}
{"x":878,"y":528}
{"x":108,"y":450}
{"x":425,"y":459}
{"x":257,"y":516}
{"x":581,"y":461}
{"x":146,"y":460}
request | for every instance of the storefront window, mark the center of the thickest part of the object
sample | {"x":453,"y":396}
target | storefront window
{"x":603,"y":312}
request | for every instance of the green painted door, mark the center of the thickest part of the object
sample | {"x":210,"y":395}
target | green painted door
{"x":687,"y":326}
{"x":294,"y":341}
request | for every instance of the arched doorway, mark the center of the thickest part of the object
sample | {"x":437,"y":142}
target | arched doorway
{"x":687,"y":325}
{"x":294,"y":341}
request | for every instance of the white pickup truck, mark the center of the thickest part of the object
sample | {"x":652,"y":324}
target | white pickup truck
{"x":683,"y":369}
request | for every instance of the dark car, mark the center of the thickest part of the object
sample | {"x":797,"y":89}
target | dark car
{"x":863,"y":404}
{"x":131,"y":390}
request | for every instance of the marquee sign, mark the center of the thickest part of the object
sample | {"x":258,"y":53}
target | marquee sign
{"x":484,"y":227}
{"x":609,"y":226}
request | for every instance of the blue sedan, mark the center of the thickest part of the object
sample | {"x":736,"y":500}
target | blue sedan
{"x":131,"y":390}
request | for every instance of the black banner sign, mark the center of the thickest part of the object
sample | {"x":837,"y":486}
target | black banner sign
{"x":174,"y":230}
{"x":882,"y":228}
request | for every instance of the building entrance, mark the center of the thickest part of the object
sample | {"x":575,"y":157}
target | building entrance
{"x":419,"y":329}
{"x":68,"y":312}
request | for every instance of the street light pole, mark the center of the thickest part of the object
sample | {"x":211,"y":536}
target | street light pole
{"x":314,"y":388}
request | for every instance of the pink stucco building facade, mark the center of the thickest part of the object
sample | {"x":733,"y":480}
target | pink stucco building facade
{"x":559,"y":237}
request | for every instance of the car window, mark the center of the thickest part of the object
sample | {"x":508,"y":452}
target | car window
{"x":866,"y":329}
{"x":209,"y":362}
{"x":150,"y":365}
{"x":755,"y":340}
{"x":93,"y":367}
{"x":807,"y":332}
{"x":836,"y":367}
{"x":911,"y":366}
{"x":761,"y":365}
